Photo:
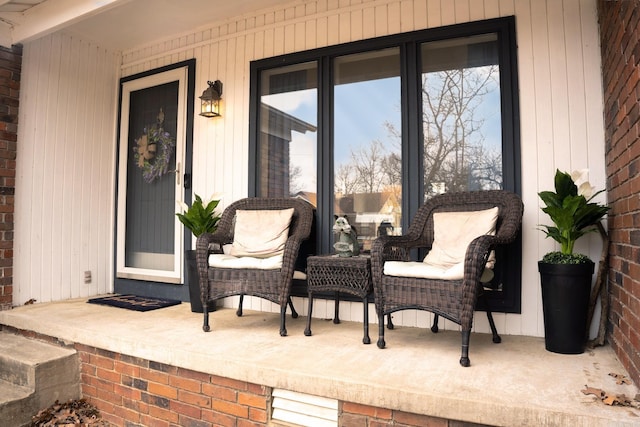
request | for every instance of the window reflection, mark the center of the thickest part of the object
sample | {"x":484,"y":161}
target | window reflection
{"x":288,"y":137}
{"x":461,"y":115}
{"x":367,"y":143}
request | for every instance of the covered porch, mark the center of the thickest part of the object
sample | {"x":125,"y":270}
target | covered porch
{"x":416,"y":379}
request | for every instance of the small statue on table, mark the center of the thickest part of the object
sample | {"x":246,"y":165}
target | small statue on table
{"x":346,"y":239}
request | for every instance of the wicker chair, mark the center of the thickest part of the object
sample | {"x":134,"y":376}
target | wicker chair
{"x":452,"y":299}
{"x":271,"y":284}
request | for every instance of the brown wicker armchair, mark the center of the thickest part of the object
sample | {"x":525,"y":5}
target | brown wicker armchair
{"x":453,"y":299}
{"x":273,"y":284}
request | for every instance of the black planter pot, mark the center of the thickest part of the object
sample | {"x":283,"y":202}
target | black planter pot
{"x":565,"y":302}
{"x":192,"y":279}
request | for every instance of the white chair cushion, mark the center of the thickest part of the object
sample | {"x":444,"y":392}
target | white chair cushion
{"x":454,"y":231}
{"x":423,"y":270}
{"x":427,"y":271}
{"x":230,"y":261}
{"x":261,"y":233}
{"x":299,"y":275}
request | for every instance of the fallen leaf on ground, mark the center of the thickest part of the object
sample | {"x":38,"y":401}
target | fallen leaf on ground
{"x":620,"y":379}
{"x":592,"y":390}
{"x":71,"y":413}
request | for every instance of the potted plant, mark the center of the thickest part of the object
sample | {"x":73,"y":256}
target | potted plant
{"x":566,"y":276}
{"x":199,"y":218}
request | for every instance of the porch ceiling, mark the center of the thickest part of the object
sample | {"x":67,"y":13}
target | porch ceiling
{"x":115,"y":24}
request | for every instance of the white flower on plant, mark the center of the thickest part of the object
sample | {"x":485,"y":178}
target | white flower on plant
{"x":182,"y":205}
{"x":214,"y":196}
{"x":581,"y":179}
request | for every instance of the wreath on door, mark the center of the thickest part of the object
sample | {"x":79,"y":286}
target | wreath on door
{"x":153,"y":150}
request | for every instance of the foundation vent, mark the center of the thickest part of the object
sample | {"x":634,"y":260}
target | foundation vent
{"x":304,"y":410}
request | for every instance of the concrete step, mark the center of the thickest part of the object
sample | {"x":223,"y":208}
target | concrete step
{"x":33,"y":375}
{"x":15,"y":404}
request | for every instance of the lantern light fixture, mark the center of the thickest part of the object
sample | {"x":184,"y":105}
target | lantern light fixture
{"x":210,"y":99}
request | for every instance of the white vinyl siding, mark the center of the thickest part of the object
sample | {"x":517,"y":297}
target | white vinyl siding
{"x":65,"y":170}
{"x":560,"y":118}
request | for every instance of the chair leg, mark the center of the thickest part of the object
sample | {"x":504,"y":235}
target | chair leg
{"x":389,"y":322}
{"x":294,"y":313}
{"x":239,"y":311}
{"x":464,"y":359}
{"x":365,"y":304}
{"x":381,"y":342}
{"x":307,"y":330}
{"x":283,"y":328}
{"x":494,"y":331}
{"x":205,"y":325}
{"x":434,"y":327}
{"x":496,"y":338}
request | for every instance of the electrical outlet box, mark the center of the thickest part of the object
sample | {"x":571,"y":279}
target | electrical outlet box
{"x":87,"y":277}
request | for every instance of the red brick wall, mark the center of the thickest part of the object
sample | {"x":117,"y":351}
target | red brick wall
{"x":130,"y":391}
{"x":619,"y":32}
{"x":10,"y":67}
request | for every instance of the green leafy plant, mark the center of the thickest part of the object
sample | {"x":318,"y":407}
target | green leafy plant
{"x":572,"y":211}
{"x":200,"y":217}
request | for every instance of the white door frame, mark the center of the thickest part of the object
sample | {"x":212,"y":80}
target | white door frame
{"x":175,"y":275}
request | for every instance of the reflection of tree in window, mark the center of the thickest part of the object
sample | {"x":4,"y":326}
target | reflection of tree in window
{"x":369,"y":169}
{"x":461,"y":119}
{"x":367,"y":184}
{"x":455,"y":152}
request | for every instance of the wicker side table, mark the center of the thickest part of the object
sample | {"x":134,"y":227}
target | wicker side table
{"x":339,"y":274}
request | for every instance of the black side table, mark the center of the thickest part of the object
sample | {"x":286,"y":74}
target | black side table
{"x":339,"y":274}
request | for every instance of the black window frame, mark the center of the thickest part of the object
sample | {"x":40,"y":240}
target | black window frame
{"x":509,"y":300}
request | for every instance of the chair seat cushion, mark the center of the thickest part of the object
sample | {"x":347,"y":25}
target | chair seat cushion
{"x":230,"y":261}
{"x":426,"y":271}
{"x":423,"y":270}
{"x":261,"y":233}
{"x":454,"y":231}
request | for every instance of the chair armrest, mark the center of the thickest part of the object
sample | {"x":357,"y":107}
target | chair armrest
{"x":290,"y":254}
{"x":392,"y":248}
{"x":477,"y":254}
{"x":395,"y":248}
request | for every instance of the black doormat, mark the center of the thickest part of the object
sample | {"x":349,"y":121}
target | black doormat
{"x":134,"y":302}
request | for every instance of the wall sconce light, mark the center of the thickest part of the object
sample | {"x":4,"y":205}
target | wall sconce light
{"x":210,"y":99}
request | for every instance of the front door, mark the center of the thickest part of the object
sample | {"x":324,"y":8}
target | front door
{"x":151,"y":173}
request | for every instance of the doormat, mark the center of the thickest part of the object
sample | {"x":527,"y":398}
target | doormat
{"x":134,"y":302}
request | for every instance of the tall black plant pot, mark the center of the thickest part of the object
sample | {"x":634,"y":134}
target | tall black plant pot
{"x":565,"y":302}
{"x":192,"y":279}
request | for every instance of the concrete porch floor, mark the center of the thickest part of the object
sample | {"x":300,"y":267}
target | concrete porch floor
{"x":515,"y":383}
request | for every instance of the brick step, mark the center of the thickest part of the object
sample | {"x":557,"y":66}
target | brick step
{"x":33,"y":375}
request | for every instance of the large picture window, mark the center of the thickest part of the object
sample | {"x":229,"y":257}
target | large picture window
{"x":372,"y":129}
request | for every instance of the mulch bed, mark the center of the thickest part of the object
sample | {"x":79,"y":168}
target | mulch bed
{"x":72,"y":413}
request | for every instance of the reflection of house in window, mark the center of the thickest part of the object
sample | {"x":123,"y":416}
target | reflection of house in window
{"x":368,"y":211}
{"x":274,"y":155}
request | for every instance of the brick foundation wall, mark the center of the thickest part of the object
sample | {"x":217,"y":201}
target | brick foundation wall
{"x":10,"y":68}
{"x":620,"y":32}
{"x":130,"y":391}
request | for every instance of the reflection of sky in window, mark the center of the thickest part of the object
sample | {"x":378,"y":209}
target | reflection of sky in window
{"x":490,"y":112}
{"x":302,"y":105}
{"x":360,"y":112}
